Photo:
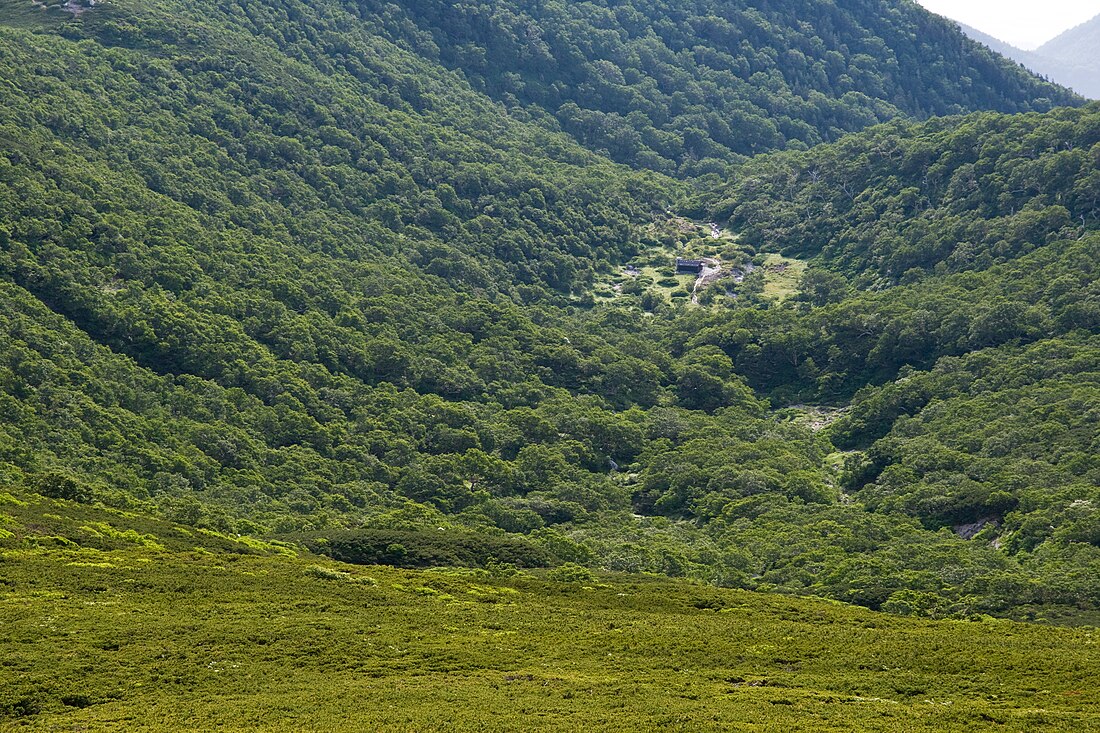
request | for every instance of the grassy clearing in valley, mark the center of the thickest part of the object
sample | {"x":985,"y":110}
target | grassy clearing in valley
{"x":655,"y":266}
{"x":781,"y":276}
{"x":662,"y":280}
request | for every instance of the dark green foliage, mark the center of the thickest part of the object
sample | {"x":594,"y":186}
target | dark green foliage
{"x":1006,"y":437}
{"x":973,"y":371}
{"x":426,"y":549}
{"x":901,"y":202}
{"x":688,"y":87}
{"x":984,"y":221}
{"x":274,"y":308}
{"x":831,"y":352}
{"x":56,"y":485}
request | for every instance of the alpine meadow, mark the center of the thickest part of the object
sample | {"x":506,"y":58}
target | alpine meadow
{"x":533,"y":365}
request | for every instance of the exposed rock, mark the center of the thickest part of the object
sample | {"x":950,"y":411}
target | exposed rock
{"x":970,"y":531}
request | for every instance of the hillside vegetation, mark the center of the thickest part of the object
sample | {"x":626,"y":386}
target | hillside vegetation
{"x":686,"y":87}
{"x":293,"y":280}
{"x":901,"y":202}
{"x":347,"y":380}
{"x":289,"y":270}
{"x":115,"y":622}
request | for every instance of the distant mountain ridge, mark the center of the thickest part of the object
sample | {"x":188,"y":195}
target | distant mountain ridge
{"x":1080,"y":44}
{"x":1072,"y":59}
{"x":1002,"y":47}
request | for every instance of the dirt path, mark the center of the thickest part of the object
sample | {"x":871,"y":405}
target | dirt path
{"x":712,"y":270}
{"x":73,"y":6}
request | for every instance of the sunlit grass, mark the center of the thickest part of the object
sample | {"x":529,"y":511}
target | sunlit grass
{"x":781,"y":276}
{"x":127,"y":636}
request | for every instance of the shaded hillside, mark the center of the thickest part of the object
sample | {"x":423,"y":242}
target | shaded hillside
{"x":688,"y":87}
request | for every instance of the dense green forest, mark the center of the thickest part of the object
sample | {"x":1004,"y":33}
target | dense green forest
{"x":327,"y":273}
{"x":901,"y":203}
{"x":687,"y":87}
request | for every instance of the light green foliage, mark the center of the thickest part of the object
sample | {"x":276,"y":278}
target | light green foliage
{"x":571,"y":573}
{"x":783,"y":276}
{"x":266,"y":642}
{"x":326,"y":573}
{"x":102,"y":529}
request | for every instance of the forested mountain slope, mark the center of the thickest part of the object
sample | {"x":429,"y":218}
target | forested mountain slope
{"x":256,"y":288}
{"x":688,"y":86}
{"x":273,"y":269}
{"x":901,"y":202}
{"x":174,"y":216}
{"x":980,"y":234}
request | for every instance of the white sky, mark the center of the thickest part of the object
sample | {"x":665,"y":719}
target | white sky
{"x":1026,"y":24}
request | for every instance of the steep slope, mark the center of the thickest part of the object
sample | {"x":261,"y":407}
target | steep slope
{"x":234,"y":270}
{"x":253,"y":288}
{"x":953,"y":264}
{"x":687,"y":87}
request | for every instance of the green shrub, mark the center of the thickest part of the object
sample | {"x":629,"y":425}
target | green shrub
{"x":323,"y":573}
{"x":571,"y":573}
{"x":57,"y":485}
{"x":422,"y":549}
